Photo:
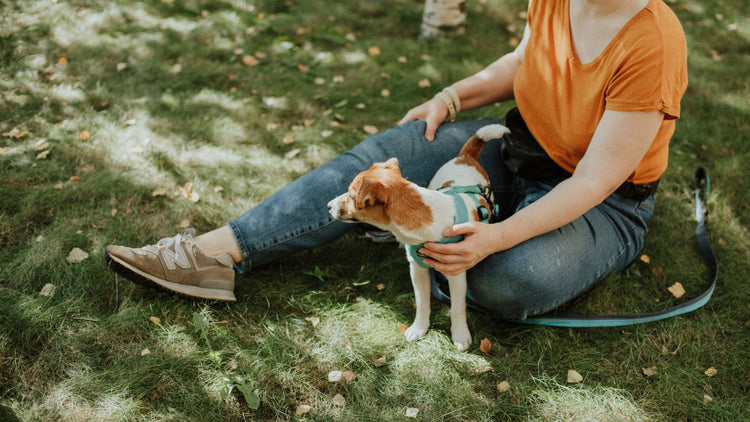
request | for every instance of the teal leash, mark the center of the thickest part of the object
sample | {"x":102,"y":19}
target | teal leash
{"x":702,"y":188}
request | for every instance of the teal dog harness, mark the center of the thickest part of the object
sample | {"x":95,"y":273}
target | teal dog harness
{"x":462,"y":216}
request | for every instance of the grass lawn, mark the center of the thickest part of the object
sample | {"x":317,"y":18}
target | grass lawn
{"x":124,"y":121}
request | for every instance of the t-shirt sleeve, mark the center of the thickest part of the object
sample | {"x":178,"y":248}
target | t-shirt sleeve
{"x":653,"y":76}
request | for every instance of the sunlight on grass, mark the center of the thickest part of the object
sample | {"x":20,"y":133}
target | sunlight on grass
{"x":68,"y":405}
{"x":557,"y":402}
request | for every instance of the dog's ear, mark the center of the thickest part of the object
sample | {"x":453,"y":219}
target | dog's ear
{"x":375,"y":194}
{"x":392,"y":164}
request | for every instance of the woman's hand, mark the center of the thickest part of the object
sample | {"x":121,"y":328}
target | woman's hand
{"x":480,"y":241}
{"x":432,"y":112}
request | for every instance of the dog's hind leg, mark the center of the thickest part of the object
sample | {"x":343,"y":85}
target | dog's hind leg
{"x":420,"y":278}
{"x":459,"y":328}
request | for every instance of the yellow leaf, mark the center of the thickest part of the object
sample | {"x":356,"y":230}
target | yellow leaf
{"x":250,"y":61}
{"x":574,"y":377}
{"x":649,"y":371}
{"x":339,"y":400}
{"x":74,"y":179}
{"x":184,"y":223}
{"x":370,"y":129}
{"x":380,"y":286}
{"x":385,"y":93}
{"x":677,"y":290}
{"x":63,"y":61}
{"x":378,"y":362}
{"x":84,"y":134}
{"x":645,"y":259}
{"x":503,"y":386}
{"x":159,"y":192}
{"x":424,"y":83}
{"x":155,"y":320}
{"x":373,"y":51}
{"x":402,"y":328}
{"x":302,"y":409}
{"x":711,"y":372}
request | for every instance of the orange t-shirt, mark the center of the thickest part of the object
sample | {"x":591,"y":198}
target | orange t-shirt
{"x":644,"y":68}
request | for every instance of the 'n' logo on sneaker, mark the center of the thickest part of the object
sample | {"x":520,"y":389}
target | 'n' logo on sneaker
{"x":178,"y":257}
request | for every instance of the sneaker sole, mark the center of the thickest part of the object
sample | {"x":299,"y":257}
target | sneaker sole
{"x":139,"y":277}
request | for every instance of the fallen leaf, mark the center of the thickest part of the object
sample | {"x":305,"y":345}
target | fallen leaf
{"x":76,"y":255}
{"x":574,"y":377}
{"x":649,"y":371}
{"x":48,"y":290}
{"x":349,"y":376}
{"x":184,"y":223}
{"x":424,"y":83}
{"x":58,"y":185}
{"x":155,"y":320}
{"x":15,"y":133}
{"x":711,"y":372}
{"x":302,"y":409}
{"x":302,"y":68}
{"x":402,"y":59}
{"x":74,"y":179}
{"x":113,"y":212}
{"x":288,"y":139}
{"x":159,"y":192}
{"x":335,"y":376}
{"x":145,"y":352}
{"x":370,"y":129}
{"x":677,"y":290}
{"x":293,"y":153}
{"x":380,"y":286}
{"x":385,"y":93}
{"x":402,"y":328}
{"x":707,"y":399}
{"x":84,"y":134}
{"x":485,"y":345}
{"x":374,"y":51}
{"x":121,"y":66}
{"x":378,"y":362}
{"x":411,"y":412}
{"x":313,"y":320}
{"x":339,"y":400}
{"x":503,"y":386}
{"x":42,"y":155}
{"x":63,"y":61}
{"x":646,"y":259}
{"x":187,"y":192}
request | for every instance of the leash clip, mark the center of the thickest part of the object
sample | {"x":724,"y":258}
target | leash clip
{"x":702,"y":184}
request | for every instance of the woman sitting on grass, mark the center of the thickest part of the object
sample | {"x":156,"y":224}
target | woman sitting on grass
{"x":598,"y":84}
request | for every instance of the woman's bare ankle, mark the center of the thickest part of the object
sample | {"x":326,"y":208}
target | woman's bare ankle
{"x":219,"y":241}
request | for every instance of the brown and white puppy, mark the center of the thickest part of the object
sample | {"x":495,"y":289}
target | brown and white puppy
{"x":382,"y":197}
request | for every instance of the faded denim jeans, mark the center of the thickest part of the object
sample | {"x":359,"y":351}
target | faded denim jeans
{"x":532,"y":278}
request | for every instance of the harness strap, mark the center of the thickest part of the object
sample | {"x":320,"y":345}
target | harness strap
{"x":702,"y":184}
{"x":462,"y":216}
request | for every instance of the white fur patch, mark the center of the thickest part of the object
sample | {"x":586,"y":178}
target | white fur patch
{"x":488,"y":132}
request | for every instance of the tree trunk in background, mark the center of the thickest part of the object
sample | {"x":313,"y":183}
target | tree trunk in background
{"x":443,"y":17}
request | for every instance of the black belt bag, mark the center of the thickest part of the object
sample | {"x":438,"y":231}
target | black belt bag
{"x":523,"y":156}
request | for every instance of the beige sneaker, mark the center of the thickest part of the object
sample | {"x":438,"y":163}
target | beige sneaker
{"x":176,"y":263}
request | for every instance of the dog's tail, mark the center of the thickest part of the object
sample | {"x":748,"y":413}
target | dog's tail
{"x":474,"y":145}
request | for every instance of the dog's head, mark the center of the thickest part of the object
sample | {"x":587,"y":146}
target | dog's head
{"x":381,"y":196}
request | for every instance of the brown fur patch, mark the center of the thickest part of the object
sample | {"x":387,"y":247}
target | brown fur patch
{"x":381,"y":195}
{"x":469,"y":154}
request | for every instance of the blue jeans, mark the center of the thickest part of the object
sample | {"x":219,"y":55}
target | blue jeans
{"x":532,"y":278}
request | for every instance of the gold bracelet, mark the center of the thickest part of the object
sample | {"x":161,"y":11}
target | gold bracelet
{"x":454,"y":95}
{"x":449,"y":102}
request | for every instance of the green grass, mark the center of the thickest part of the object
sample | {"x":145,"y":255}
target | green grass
{"x":161,"y":88}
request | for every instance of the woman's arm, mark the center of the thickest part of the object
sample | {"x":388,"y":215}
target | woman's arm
{"x":619,"y":144}
{"x":491,"y":84}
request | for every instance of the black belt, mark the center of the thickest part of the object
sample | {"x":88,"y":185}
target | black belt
{"x":637,"y":192}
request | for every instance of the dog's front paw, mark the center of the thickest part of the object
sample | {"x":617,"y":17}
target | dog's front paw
{"x":461,"y":339}
{"x":415,"y":332}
